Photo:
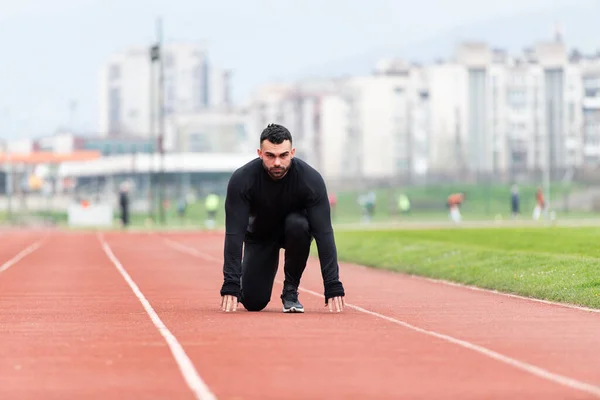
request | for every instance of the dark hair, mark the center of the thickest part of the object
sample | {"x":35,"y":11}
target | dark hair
{"x":275,"y":134}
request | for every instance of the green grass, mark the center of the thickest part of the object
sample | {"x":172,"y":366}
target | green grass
{"x":557,"y":264}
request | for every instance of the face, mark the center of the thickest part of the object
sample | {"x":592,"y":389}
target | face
{"x":276,"y":158}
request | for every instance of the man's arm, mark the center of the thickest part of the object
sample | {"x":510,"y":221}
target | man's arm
{"x":237,"y":210}
{"x":319,"y":218}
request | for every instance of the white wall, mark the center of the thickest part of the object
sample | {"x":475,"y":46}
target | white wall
{"x":60,"y":143}
{"x":213,"y":130}
{"x":448,"y":103}
{"x":333,"y":135}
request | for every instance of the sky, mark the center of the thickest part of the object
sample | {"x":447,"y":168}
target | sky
{"x":52,"y":50}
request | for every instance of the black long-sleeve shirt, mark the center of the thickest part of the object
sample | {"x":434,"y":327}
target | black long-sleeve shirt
{"x":257,"y":205}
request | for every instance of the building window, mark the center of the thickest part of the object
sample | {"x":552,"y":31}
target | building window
{"x":517,"y":99}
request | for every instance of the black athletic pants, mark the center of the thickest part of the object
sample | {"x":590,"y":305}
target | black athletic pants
{"x":261,"y":261}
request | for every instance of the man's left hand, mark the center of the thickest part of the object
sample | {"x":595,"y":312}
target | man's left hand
{"x":336,"y":304}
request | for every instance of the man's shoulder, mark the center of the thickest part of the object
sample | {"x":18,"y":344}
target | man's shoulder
{"x":309,"y":174}
{"x":305,"y":168}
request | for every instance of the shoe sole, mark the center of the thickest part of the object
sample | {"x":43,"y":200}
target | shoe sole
{"x":293,"y":310}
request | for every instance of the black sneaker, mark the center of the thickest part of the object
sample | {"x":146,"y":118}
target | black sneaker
{"x":289,"y":297}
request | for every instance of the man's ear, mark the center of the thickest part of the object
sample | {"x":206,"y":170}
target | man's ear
{"x":259,"y":153}
{"x":293,"y":152}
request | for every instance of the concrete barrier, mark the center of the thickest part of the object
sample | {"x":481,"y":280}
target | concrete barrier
{"x":92,"y":215}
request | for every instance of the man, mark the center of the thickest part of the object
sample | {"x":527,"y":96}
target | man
{"x":276,"y":201}
{"x":124,"y":203}
{"x":515,"y":201}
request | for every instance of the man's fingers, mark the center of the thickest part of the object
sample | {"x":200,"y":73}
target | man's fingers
{"x":229,"y":303}
{"x":340,"y":305}
{"x":336,"y":304}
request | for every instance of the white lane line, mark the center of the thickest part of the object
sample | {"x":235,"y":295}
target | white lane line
{"x":22,"y":254}
{"x":191,"y":376}
{"x":532,"y":369}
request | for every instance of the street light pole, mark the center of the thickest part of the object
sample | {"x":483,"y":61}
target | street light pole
{"x":156,"y":56}
{"x":161,"y":120}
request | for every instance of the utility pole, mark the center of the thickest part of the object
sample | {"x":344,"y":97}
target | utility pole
{"x":161,"y":121}
{"x":156,"y":56}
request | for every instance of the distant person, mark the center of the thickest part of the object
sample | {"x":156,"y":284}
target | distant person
{"x":540,"y":204}
{"x":403,"y":204}
{"x":370,"y":204}
{"x":367,"y":204}
{"x":182,"y":207}
{"x":515,"y":201}
{"x":211,"y":204}
{"x":124,"y":203}
{"x":454,"y":202}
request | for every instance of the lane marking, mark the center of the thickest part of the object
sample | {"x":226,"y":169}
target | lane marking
{"x":22,"y":254}
{"x":191,"y":376}
{"x":532,"y":369}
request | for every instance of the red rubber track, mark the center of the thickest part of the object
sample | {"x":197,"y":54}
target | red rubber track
{"x":355,"y":355}
{"x":14,"y":241}
{"x":70,"y":328}
{"x":67,"y":313}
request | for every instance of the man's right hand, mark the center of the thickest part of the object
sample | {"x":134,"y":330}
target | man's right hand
{"x":229,"y":303}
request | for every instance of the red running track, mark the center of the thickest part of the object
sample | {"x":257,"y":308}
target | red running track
{"x":137,"y":316}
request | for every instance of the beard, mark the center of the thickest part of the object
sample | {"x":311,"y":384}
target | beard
{"x":276,"y":172}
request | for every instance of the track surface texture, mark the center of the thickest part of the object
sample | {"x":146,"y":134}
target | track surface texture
{"x":136,"y":315}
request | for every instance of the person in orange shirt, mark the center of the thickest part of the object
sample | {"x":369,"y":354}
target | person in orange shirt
{"x":454,"y":202}
{"x":540,"y":205}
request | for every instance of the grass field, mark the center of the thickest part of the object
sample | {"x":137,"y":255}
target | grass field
{"x":558,"y":264}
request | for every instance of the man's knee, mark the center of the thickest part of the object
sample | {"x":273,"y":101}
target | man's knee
{"x":254,"y":303}
{"x":296,"y":225}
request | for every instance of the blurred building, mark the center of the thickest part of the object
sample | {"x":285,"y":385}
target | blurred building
{"x":481,"y":112}
{"x":126,"y":89}
{"x":386,"y":124}
{"x":492,"y":112}
{"x":589,"y":68}
{"x":214,"y":130}
{"x":373,"y":126}
{"x":298,"y":107}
